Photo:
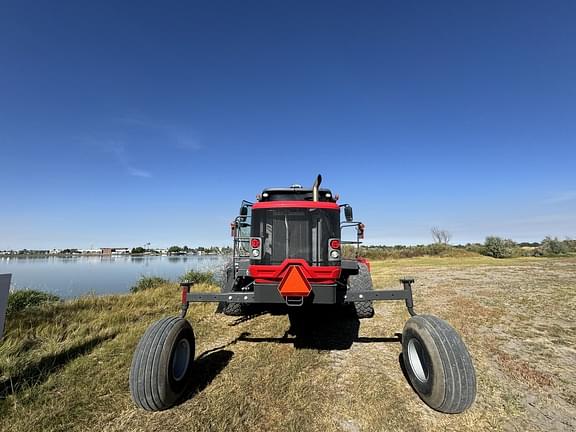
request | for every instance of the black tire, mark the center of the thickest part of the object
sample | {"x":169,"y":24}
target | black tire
{"x":235,"y":309}
{"x":227,"y":273}
{"x":231,"y":309}
{"x":362,"y":282}
{"x":162,"y":364}
{"x":438,"y":364}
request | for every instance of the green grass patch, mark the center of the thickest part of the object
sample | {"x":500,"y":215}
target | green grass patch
{"x":25,"y":299}
{"x":198,"y":277}
{"x":148,"y":282}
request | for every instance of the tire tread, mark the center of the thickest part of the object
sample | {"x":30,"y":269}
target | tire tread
{"x":459,"y":375}
{"x":144,"y":377}
{"x":362,"y":282}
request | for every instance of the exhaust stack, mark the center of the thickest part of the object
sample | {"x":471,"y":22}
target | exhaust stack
{"x":316,"y":187}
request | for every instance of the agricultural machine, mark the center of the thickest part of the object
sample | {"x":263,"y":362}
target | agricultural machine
{"x":288,"y":253}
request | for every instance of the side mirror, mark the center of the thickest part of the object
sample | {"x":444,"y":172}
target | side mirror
{"x":243,"y":212}
{"x":232,"y":229}
{"x":348,"y":213}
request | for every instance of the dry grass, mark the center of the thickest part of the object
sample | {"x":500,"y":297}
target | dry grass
{"x":65,"y":367}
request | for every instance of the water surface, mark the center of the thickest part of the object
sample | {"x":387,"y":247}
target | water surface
{"x":74,"y":276}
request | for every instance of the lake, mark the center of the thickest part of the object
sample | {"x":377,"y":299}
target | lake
{"x":74,"y":276}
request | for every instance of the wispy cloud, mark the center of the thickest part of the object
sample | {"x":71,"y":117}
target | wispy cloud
{"x":562,"y":197}
{"x":179,"y":137}
{"x":137,"y":172}
{"x":120,"y":155}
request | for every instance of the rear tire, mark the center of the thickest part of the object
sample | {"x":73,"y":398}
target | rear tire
{"x":162,"y":364}
{"x":362,"y":282}
{"x":438,"y":364}
{"x":231,"y":309}
{"x":235,"y":309}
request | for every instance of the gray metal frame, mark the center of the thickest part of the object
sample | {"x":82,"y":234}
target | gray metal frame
{"x":351,"y":296}
{"x":238,"y":240}
{"x":358,"y":242}
{"x":4,"y":291}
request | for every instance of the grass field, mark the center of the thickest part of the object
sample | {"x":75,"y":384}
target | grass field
{"x":65,"y":366}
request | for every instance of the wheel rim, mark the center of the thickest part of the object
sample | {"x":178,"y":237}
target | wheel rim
{"x":417,"y":360}
{"x":181,"y":359}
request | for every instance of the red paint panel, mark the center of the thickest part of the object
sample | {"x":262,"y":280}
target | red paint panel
{"x":296,"y":204}
{"x":314,"y":274}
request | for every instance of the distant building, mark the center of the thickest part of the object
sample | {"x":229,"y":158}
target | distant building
{"x":115,"y":251}
{"x":90,"y":251}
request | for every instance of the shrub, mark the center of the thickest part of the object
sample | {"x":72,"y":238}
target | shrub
{"x":570,"y":244}
{"x":148,"y":282}
{"x":497,"y":247}
{"x":552,"y":246}
{"x":28,"y":298}
{"x":400,"y":251}
{"x":475,"y":248}
{"x":198,"y":277}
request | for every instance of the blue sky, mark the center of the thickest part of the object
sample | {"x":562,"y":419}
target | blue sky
{"x":123,"y":123}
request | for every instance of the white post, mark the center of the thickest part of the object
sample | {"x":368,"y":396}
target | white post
{"x":4,"y":290}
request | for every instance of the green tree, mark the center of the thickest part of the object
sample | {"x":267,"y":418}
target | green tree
{"x":498,"y":247}
{"x":552,"y":246}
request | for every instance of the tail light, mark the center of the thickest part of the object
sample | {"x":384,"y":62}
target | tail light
{"x":255,"y":248}
{"x":361,"y":228}
{"x":334,"y":250}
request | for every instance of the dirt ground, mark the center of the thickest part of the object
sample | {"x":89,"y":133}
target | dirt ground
{"x":340,"y":374}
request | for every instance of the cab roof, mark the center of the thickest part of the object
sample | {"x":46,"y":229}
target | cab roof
{"x":295,"y":194}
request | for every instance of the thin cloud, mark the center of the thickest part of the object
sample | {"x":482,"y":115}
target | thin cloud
{"x":120,"y":155}
{"x":178,"y":137}
{"x":137,"y":172}
{"x":562,"y":197}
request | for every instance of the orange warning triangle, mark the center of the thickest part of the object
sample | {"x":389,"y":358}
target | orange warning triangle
{"x":294,"y":283}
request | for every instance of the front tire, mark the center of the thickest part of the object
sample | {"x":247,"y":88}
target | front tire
{"x":162,"y":364}
{"x":438,"y":364}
